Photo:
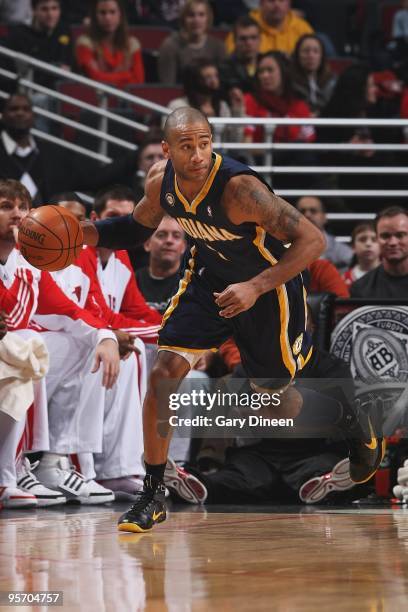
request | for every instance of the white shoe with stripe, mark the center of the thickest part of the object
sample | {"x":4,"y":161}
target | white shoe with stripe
{"x":316,"y":489}
{"x":12,"y":497}
{"x":187,"y":486}
{"x":27,"y":481}
{"x":63,"y":477}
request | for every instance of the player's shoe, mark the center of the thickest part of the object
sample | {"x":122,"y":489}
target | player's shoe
{"x":125,"y":488}
{"x":317,"y":488}
{"x":12,"y":497}
{"x":148,"y":509}
{"x":366,"y":454}
{"x":187,"y":486}
{"x":63,"y":477}
{"x":28,"y":482}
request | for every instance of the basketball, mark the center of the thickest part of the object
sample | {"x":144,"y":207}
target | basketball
{"x":50,"y":238}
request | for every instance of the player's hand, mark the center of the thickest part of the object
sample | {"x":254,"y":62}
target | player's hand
{"x":107,"y":354}
{"x":3,"y":325}
{"x":126,"y":343}
{"x":401,"y":489}
{"x":236,"y":298}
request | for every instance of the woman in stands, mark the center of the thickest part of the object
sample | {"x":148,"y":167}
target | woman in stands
{"x":274,"y":97}
{"x":202,"y":90}
{"x":191,"y":42}
{"x":312,"y":78}
{"x":107,"y":52}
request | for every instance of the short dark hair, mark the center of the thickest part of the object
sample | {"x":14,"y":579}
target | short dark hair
{"x":390,"y":211}
{"x":245,"y":21}
{"x":10,"y":188}
{"x":360,"y":228}
{"x":35,"y":3}
{"x":154,"y":136}
{"x":117,"y":192}
{"x":66,"y":196}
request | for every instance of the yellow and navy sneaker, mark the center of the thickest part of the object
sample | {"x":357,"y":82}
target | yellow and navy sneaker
{"x":148,"y":509}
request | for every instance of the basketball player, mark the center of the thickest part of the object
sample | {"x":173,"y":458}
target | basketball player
{"x":240,"y":280}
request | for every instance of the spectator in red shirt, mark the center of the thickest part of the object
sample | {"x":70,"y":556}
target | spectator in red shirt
{"x":107,"y":52}
{"x":274,"y":97}
{"x":366,"y":252}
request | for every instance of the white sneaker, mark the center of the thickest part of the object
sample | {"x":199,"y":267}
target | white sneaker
{"x":316,"y":489}
{"x":63,"y":477}
{"x":12,"y":497}
{"x":187,"y":486}
{"x":27,"y":481}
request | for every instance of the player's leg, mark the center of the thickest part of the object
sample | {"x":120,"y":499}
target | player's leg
{"x":11,"y":432}
{"x":75,"y":411}
{"x":165,"y":377}
{"x":191,"y":326}
{"x":120,"y":465}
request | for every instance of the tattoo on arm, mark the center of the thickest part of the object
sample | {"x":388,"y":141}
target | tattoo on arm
{"x":255,"y":203}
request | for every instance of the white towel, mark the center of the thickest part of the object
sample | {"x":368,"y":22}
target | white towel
{"x":21,"y":362}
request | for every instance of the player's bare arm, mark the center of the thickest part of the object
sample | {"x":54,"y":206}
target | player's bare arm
{"x":128,"y":231}
{"x":246,"y":199}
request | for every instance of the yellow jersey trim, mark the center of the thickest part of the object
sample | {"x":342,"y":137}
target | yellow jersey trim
{"x":191,"y":208}
{"x":163,"y":347}
{"x":286,"y":350}
{"x":183,"y":284}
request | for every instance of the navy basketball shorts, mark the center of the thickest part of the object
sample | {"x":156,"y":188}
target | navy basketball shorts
{"x":271,"y":336}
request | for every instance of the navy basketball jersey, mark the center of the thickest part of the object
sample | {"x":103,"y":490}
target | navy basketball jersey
{"x":230,"y":252}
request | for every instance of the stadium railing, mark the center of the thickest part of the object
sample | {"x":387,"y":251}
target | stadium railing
{"x":97,"y":100}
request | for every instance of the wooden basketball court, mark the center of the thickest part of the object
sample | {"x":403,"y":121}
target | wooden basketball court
{"x":280,"y":559}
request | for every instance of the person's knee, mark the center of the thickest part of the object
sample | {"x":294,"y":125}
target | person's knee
{"x":168,"y":370}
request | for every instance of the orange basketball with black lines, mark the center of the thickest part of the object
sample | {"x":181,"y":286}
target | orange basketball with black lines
{"x":50,"y":238}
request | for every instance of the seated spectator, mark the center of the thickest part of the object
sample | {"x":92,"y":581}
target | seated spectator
{"x":15,"y":11}
{"x":191,"y":42}
{"x":273,"y":97}
{"x":366,"y":252}
{"x":46,"y":39}
{"x":43,"y":167}
{"x":280,"y":27}
{"x":107,"y":52}
{"x":312,"y":78}
{"x":159,"y":280}
{"x":390,"y":278}
{"x":239,"y":68}
{"x":203,"y":91}
{"x":338,"y":253}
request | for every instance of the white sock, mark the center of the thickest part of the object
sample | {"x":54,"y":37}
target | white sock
{"x":51,"y":459}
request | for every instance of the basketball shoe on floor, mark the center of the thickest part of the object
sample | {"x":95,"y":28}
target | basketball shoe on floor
{"x":62,"y":476}
{"x":187,"y":486}
{"x":315,"y":489}
{"x":366,"y":452}
{"x":28,"y":482}
{"x":125,"y":488}
{"x":148,"y":509}
{"x":12,"y":497}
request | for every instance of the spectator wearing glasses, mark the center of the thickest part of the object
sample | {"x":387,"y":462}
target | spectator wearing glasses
{"x":338,"y":253}
{"x":390,"y":278}
{"x":239,"y":69}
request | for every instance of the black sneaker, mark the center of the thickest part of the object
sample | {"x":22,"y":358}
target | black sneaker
{"x":366,"y":454}
{"x":148,"y":509}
